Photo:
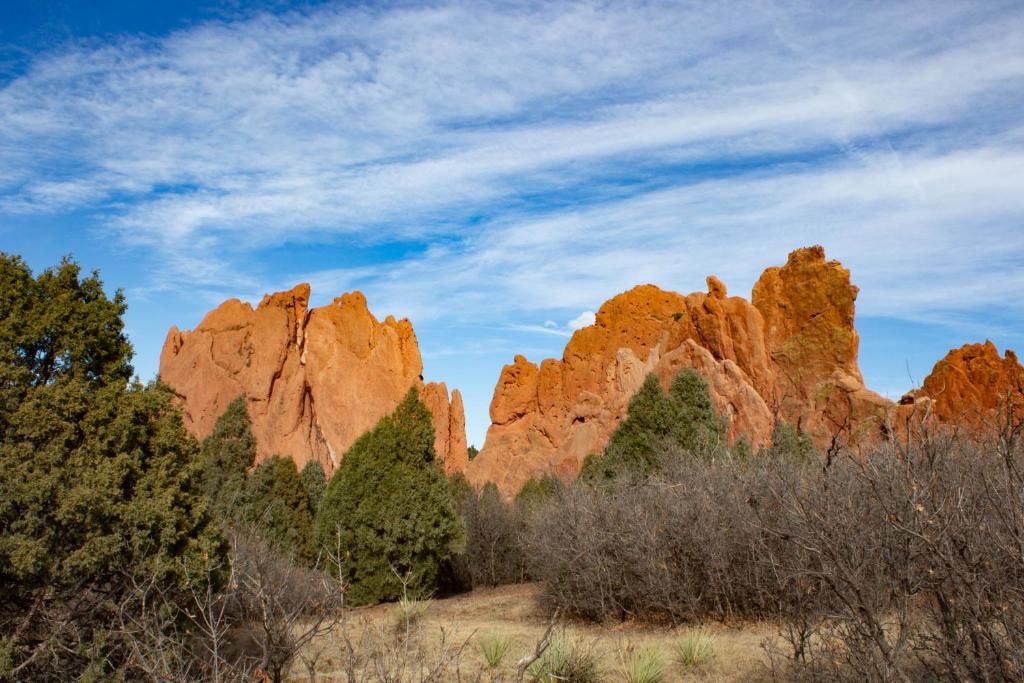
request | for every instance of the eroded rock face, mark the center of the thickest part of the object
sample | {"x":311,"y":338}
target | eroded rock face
{"x":972,"y":387}
{"x":314,"y":380}
{"x":808,"y":309}
{"x":790,"y":354}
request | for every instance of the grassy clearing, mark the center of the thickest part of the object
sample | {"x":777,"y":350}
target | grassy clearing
{"x":503,"y":624}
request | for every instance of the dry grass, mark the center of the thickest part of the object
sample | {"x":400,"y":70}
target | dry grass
{"x":511,"y":612}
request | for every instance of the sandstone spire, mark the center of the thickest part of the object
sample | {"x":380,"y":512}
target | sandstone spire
{"x":314,"y":380}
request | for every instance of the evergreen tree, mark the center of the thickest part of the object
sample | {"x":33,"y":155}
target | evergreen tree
{"x":315,"y":482}
{"x":696,"y":425}
{"x":227,"y":454}
{"x":790,"y":442}
{"x":658,"y":424}
{"x":99,"y":479}
{"x":277,"y":505}
{"x":389,"y":509}
{"x":640,"y":439}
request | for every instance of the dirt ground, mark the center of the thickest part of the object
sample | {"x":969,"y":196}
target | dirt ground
{"x":512,"y":612}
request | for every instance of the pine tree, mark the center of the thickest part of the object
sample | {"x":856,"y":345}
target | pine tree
{"x":696,"y":425}
{"x":389,"y":509}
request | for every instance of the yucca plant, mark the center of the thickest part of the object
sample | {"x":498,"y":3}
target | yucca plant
{"x":643,"y":666}
{"x":694,"y":648}
{"x":408,"y":611}
{"x":568,"y":661}
{"x":494,"y":649}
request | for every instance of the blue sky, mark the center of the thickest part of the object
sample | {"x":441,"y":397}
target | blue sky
{"x":495,"y":171}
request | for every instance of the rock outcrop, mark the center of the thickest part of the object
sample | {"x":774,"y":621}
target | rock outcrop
{"x":972,"y":387}
{"x":314,"y":379}
{"x":789,"y":354}
{"x":808,"y":311}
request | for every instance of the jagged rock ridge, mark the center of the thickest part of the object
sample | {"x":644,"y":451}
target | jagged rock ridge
{"x":972,"y":387}
{"x":790,"y":354}
{"x":314,"y":379}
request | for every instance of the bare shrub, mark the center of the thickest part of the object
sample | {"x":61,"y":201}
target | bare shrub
{"x":268,"y":611}
{"x":903,"y":563}
{"x":918,"y":562}
{"x":493,"y":553}
{"x":677,"y":546}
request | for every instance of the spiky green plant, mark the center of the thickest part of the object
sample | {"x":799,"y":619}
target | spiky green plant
{"x":694,"y":648}
{"x":644,"y":666}
{"x":494,"y":648}
{"x":408,"y":611}
{"x":568,"y":660}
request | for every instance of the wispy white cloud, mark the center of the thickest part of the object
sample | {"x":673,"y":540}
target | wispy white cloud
{"x":582,"y":320}
{"x":544,"y":156}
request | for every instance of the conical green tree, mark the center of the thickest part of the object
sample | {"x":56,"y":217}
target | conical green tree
{"x":227,"y":454}
{"x":389,"y":510}
{"x":639,"y":440}
{"x":277,"y":505}
{"x":658,"y":424}
{"x":315,"y":482}
{"x":696,"y":425}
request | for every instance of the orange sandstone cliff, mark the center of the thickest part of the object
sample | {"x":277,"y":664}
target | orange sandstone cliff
{"x":788,"y":354}
{"x":972,"y":388}
{"x":314,"y":379}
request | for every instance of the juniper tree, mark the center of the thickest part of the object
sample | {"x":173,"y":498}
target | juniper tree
{"x":658,"y":424}
{"x":227,"y":454}
{"x":100,"y":481}
{"x":277,"y":506}
{"x":315,"y":482}
{"x":389,"y":508}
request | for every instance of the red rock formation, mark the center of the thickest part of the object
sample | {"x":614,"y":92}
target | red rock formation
{"x":314,"y":380}
{"x":792,"y":353}
{"x":808,"y":309}
{"x":972,"y":387}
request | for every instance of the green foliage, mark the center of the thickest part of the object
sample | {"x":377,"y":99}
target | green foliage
{"x":408,"y":612}
{"x":741,"y":449}
{"x":694,"y":648}
{"x":277,"y":505}
{"x":99,"y":480}
{"x":792,"y":443}
{"x":644,"y":666}
{"x":227,"y":454}
{"x":473,"y":451}
{"x":494,"y":648}
{"x":56,"y":326}
{"x":315,"y":482}
{"x":389,"y":508}
{"x":462,"y":491}
{"x":568,"y":660}
{"x":539,"y":490}
{"x":657,"y":425}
